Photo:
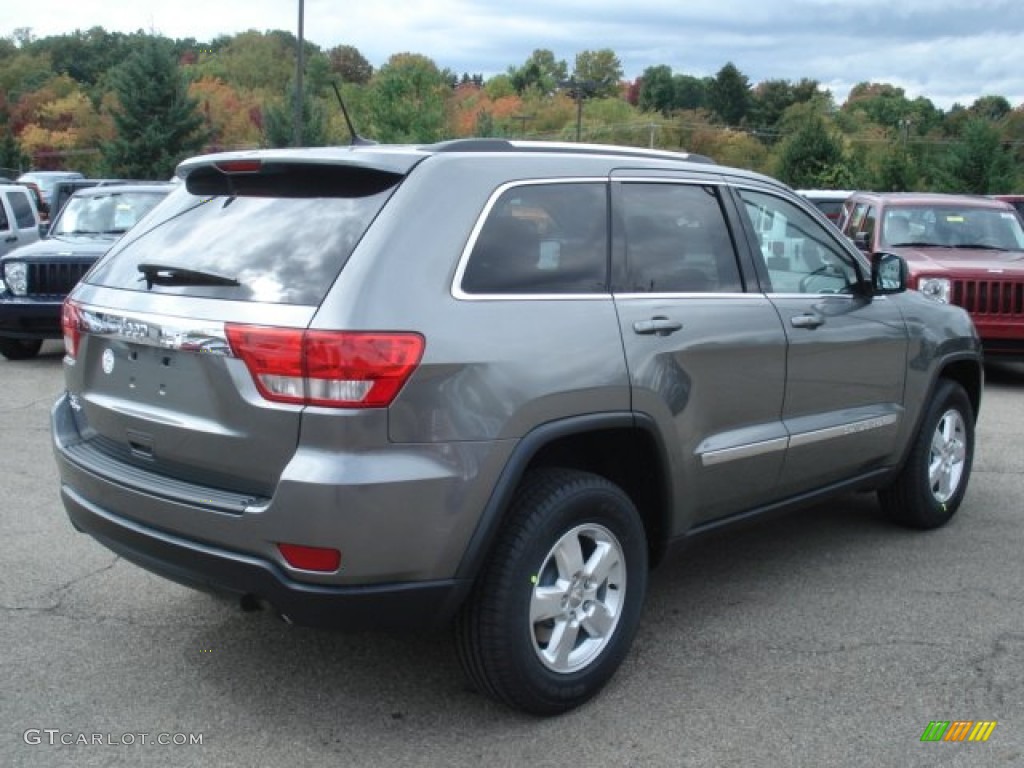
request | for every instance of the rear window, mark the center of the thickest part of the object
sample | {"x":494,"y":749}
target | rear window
{"x":280,"y":243}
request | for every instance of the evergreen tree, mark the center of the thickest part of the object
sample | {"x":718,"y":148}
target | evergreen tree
{"x":812,"y":158}
{"x":978,"y":163}
{"x":279,"y":121}
{"x":12,"y":159}
{"x":729,"y":95}
{"x":157,"y":124}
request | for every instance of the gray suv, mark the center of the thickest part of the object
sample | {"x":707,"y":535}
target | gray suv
{"x":488,"y":384}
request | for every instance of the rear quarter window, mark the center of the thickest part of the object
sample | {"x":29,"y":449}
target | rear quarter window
{"x":284,"y":249}
{"x":22,"y":209}
{"x":549,"y":238}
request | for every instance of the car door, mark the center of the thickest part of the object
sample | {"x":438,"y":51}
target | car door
{"x":706,"y":358}
{"x":846,"y":353}
{"x":23,"y":223}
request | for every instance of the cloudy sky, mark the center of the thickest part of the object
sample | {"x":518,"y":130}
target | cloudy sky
{"x":946,"y":50}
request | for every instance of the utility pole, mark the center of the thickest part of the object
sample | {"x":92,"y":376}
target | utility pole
{"x":297,"y":122}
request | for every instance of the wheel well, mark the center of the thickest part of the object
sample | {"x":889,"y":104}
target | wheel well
{"x":627,"y":457}
{"x":969,"y":376}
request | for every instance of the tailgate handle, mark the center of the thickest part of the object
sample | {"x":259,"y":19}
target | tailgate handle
{"x":659,"y":325}
{"x":140,"y":443}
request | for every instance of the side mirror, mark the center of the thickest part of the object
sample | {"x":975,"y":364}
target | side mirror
{"x":861,"y":241}
{"x":889,"y":273}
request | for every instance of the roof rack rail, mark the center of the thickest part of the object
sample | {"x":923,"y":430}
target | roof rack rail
{"x":515,"y":145}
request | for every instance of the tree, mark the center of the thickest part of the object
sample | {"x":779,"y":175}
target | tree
{"x":691,"y":92}
{"x":812,"y":157}
{"x":992,"y":108}
{"x":348,"y":63}
{"x":729,"y":95}
{"x":409,"y":98}
{"x":541,"y":72}
{"x":279,"y":121}
{"x":657,"y":90}
{"x":157,"y":124}
{"x":601,"y":70}
{"x":978,"y":163}
{"x":12,"y":159}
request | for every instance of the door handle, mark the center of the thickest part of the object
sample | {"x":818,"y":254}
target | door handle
{"x":11,"y":239}
{"x":660,"y":326}
{"x":807,"y":321}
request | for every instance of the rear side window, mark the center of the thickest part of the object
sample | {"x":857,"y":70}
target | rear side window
{"x":22,"y":209}
{"x":542,"y":239}
{"x":676,"y":240}
{"x":283,"y":240}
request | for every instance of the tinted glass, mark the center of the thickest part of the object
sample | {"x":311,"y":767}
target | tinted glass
{"x":542,"y":238}
{"x":676,"y":240}
{"x":285,"y":250}
{"x":800,"y":255}
{"x":22,"y":209}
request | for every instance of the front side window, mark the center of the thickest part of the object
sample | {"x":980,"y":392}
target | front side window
{"x":22,"y":209}
{"x":799,"y":254}
{"x":676,"y":239}
{"x":542,"y":239}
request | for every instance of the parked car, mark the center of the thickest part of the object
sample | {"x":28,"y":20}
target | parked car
{"x":65,"y":188}
{"x":19,"y":219}
{"x":46,"y":179}
{"x":37,"y":277}
{"x":829,"y":201}
{"x":491,"y":382}
{"x":1017,"y":201}
{"x":961,"y":249}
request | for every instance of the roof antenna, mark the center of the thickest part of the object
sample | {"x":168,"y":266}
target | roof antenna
{"x":357,"y":140}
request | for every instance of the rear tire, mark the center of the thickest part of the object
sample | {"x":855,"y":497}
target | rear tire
{"x":932,"y":483}
{"x":20,"y":349}
{"x":555,"y":609}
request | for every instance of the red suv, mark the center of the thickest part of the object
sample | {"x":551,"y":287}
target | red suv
{"x":960,"y":249}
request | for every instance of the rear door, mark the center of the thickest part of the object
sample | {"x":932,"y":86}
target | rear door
{"x":706,"y":356}
{"x":156,"y":373}
{"x":847,"y":353}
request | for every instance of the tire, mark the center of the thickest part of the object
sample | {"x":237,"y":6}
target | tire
{"x":536,"y":634}
{"x":932,"y":483}
{"x":20,"y":349}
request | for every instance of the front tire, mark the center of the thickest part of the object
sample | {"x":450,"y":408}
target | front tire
{"x":933,"y":482}
{"x":554,"y":612}
{"x":20,"y":349}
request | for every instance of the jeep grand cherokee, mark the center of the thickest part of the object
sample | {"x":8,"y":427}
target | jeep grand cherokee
{"x":489,"y":383}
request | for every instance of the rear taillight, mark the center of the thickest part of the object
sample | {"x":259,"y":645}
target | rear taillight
{"x":338,"y":369}
{"x":71,"y":323}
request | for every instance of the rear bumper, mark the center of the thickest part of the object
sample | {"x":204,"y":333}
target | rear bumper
{"x":28,"y":318}
{"x":402,"y":534}
{"x":390,"y":606}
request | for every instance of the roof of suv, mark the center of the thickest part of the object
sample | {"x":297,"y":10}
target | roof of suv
{"x":401,"y":158}
{"x":930,"y":198}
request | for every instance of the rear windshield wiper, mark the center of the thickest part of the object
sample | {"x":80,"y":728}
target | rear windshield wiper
{"x":165,"y":274}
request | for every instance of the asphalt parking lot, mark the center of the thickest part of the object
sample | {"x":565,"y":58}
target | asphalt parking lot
{"x":825,"y":638}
